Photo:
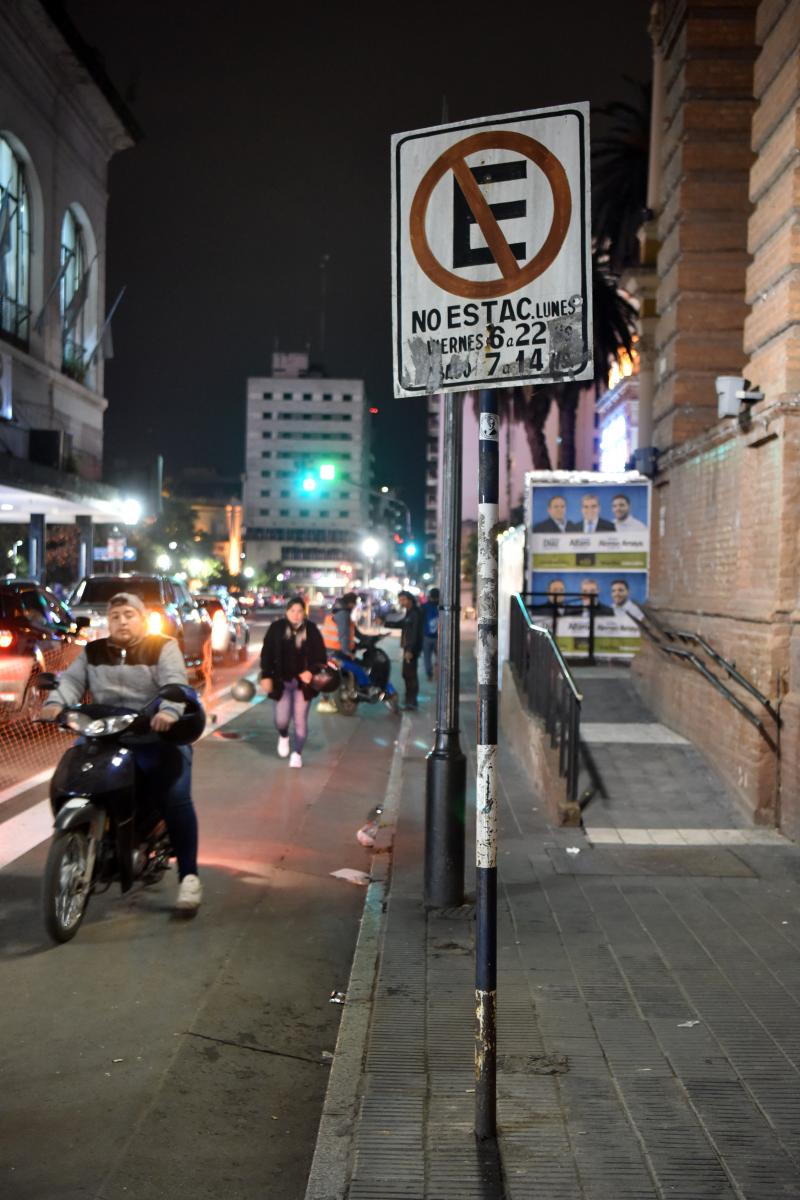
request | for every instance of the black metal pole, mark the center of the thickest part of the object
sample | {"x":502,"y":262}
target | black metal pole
{"x":446,"y":778}
{"x":486,"y":798}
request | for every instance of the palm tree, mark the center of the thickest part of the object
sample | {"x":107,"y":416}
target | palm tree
{"x":619,"y":195}
{"x":619,"y":179}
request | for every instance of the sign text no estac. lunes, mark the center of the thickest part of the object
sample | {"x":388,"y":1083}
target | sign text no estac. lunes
{"x":491,"y":266}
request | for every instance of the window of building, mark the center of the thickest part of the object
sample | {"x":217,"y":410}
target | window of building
{"x":267,"y":492}
{"x":266,"y":454}
{"x":75,"y":269}
{"x":347,"y":399}
{"x":327,"y":396}
{"x":267,"y":396}
{"x":14,"y":246}
{"x":267,"y":416}
{"x":284,"y":512}
{"x":344,"y":512}
{"x":287,"y":395}
{"x":307,"y":396}
{"x":267,"y":433}
{"x":266,"y":474}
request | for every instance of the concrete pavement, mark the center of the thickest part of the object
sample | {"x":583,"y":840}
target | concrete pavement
{"x":648,"y":995}
{"x":155,"y":1057}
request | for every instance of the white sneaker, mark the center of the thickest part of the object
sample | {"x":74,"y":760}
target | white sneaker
{"x":190,"y":893}
{"x":295,"y":760}
{"x":283,"y":747}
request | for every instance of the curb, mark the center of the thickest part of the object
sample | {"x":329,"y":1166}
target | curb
{"x":331,"y":1166}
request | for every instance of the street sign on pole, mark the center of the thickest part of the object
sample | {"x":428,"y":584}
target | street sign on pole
{"x":491,"y":252}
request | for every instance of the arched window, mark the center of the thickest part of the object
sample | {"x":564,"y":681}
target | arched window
{"x":74,"y":294}
{"x":14,"y":246}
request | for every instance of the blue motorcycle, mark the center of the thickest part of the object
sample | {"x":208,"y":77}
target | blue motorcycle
{"x":365,"y":679}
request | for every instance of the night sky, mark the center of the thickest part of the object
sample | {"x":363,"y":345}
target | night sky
{"x":266,"y":146}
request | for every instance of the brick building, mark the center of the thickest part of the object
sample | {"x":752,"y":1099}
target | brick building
{"x":724,"y":244}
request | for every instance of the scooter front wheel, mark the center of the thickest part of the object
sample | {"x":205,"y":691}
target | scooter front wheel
{"x":393,"y":704}
{"x":65,"y":891}
{"x":346,"y":698}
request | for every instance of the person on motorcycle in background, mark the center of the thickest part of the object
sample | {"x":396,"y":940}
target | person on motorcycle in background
{"x":126,"y":669}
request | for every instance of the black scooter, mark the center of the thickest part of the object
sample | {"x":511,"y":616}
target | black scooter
{"x":367,"y":681}
{"x":102,"y":833}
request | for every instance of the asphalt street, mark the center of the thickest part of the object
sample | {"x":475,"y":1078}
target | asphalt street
{"x":156,"y":1056}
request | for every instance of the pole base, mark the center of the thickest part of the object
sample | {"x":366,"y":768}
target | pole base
{"x":445,"y":807}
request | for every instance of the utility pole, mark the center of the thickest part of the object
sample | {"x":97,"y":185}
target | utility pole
{"x":486,"y":793}
{"x":446,"y":778}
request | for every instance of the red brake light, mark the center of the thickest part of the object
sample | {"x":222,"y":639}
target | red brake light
{"x":7,"y":639}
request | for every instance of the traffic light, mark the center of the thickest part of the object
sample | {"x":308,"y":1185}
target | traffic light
{"x":411,"y":550}
{"x":310,"y":479}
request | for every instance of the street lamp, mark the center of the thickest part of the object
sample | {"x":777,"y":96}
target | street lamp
{"x":163,"y":562}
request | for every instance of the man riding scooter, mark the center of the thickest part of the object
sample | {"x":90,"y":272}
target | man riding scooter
{"x":126,"y":669}
{"x":342,"y":638}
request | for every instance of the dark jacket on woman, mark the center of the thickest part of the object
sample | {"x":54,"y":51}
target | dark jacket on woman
{"x":282,"y":659}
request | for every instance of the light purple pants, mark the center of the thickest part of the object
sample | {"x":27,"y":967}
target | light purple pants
{"x":292,"y":708}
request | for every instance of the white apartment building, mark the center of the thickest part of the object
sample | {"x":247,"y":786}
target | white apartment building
{"x":297,"y":424}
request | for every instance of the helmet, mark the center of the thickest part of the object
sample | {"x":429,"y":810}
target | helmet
{"x":189,"y":727}
{"x":326,"y":678}
{"x":243,"y":690}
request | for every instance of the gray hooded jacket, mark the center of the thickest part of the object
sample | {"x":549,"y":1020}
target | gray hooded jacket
{"x":125,"y":677}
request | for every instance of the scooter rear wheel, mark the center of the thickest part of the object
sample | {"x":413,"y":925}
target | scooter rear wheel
{"x":65,"y":890}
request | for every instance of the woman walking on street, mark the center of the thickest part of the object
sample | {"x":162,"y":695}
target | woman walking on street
{"x":293,"y":650}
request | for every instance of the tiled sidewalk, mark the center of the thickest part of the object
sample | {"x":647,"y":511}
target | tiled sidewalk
{"x":648,"y":1014}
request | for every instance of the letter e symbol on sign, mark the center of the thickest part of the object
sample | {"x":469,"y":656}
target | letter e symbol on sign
{"x":463,"y":253}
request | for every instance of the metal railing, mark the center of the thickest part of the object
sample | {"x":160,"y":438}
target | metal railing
{"x":566,"y":605}
{"x":665,"y":640}
{"x":549,"y":689}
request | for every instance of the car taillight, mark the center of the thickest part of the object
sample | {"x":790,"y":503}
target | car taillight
{"x":7,"y":639}
{"x":155,"y":622}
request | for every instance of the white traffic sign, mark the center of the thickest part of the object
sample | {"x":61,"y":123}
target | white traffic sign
{"x":491,"y":252}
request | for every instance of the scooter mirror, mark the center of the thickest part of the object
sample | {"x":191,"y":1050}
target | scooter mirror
{"x":46,"y":681}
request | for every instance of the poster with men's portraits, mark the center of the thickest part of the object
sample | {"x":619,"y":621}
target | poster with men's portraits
{"x":588,"y":548}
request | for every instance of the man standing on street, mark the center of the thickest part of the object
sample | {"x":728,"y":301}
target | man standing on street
{"x":410,"y":643}
{"x":430,"y":631}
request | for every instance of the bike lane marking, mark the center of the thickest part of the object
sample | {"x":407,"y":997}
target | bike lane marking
{"x":28,"y":829}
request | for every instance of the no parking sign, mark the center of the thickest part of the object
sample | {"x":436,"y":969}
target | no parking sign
{"x":491,"y":255}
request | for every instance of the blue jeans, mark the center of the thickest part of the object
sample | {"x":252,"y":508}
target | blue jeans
{"x":292,"y":708}
{"x":164,"y":774}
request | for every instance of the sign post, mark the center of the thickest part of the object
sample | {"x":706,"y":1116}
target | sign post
{"x":491,"y":287}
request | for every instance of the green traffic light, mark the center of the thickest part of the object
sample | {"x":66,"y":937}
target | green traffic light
{"x":327,"y":471}
{"x":309,"y":483}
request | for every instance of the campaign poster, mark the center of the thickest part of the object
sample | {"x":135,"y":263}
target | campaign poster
{"x":561,"y":601}
{"x":588,"y":546}
{"x":599,"y":524}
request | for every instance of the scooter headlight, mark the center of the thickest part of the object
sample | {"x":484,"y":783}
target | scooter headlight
{"x":98,"y":726}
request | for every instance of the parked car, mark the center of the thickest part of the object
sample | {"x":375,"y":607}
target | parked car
{"x":37,"y":633}
{"x":230,"y":634}
{"x":171,"y":609}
